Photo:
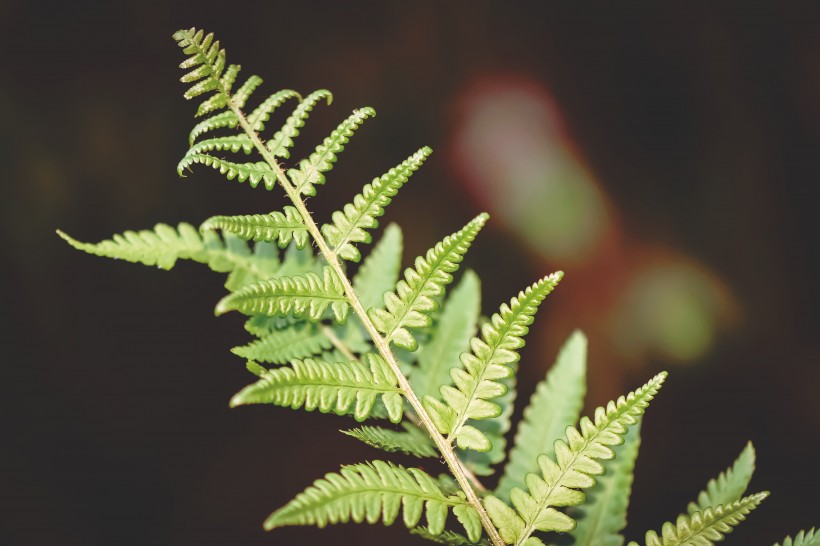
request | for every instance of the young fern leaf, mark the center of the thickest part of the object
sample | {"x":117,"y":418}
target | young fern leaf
{"x":379,"y":272}
{"x":414,"y":298}
{"x":413,"y":441}
{"x":555,"y":405}
{"x":217,"y":121}
{"x":704,"y":528}
{"x":282,"y":141}
{"x":208,"y":62}
{"x":477,"y":381}
{"x":350,"y":224}
{"x":244,"y":92}
{"x":254,"y":173}
{"x":371,"y":492}
{"x":803,"y":538}
{"x":561,"y":482}
{"x":262,"y":113}
{"x":282,"y":346}
{"x":456,"y":325}
{"x":602,"y":517}
{"x":307,"y":296}
{"x":322,"y":159}
{"x":164,"y":245}
{"x":278,"y":227}
{"x":231,"y":143}
{"x":729,"y":485}
{"x":335,"y":387}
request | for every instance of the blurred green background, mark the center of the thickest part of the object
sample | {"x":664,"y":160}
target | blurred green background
{"x":665,"y":157}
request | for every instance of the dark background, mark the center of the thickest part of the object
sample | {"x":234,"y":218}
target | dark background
{"x":701,"y":122}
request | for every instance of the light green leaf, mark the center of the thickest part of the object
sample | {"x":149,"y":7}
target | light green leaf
{"x":380,"y":270}
{"x":730,"y":485}
{"x":252,"y":172}
{"x":262,"y":113}
{"x":217,"y":121}
{"x":555,"y":405}
{"x":371,"y":492}
{"x":803,"y":538}
{"x":415,"y":296}
{"x":282,"y":346}
{"x":350,"y":224}
{"x":447,"y":537}
{"x":707,"y":527}
{"x":282,"y":141}
{"x":244,"y":92}
{"x":315,"y":384}
{"x":307,"y":296}
{"x":413,"y":441}
{"x":274,"y":227}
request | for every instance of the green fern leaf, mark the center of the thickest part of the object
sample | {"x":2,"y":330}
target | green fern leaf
{"x":217,"y":121}
{"x":803,"y":538}
{"x":477,"y":381}
{"x":447,"y":537}
{"x":602,"y":517}
{"x":306,"y":295}
{"x":414,"y":298}
{"x":262,"y":113}
{"x":282,"y":141}
{"x":413,"y":441}
{"x":729,"y":485}
{"x":322,"y":159}
{"x":372,"y":492}
{"x":274,"y":227}
{"x":252,"y":172}
{"x":232,"y":143}
{"x":704,"y":528}
{"x":555,"y":405}
{"x":207,"y":60}
{"x":336,"y":387}
{"x":577,"y":463}
{"x":164,"y":245}
{"x":380,"y":270}
{"x":282,"y":346}
{"x":350,"y":224}
{"x":456,"y":325}
{"x":244,"y":92}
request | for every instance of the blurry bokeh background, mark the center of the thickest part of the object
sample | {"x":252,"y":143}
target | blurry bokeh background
{"x":666,"y":158}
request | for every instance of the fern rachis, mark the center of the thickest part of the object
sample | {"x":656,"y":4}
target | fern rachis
{"x":331,"y":360}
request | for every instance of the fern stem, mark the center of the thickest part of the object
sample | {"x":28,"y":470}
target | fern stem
{"x":381,"y":343}
{"x":338,"y":343}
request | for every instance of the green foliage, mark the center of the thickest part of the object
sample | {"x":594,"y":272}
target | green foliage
{"x":413,"y":441}
{"x":704,"y":528}
{"x":558,"y":477}
{"x":328,"y":387}
{"x":555,"y":405}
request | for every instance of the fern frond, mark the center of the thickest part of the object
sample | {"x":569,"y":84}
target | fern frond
{"x":803,"y":538}
{"x":252,"y":172}
{"x":456,"y":325}
{"x":244,"y":92}
{"x":413,"y":441}
{"x":704,"y":528}
{"x":414,"y":298}
{"x":380,"y":270}
{"x":335,"y":387}
{"x":231,"y":143}
{"x":555,"y":405}
{"x":164,"y":245}
{"x":217,"y":121}
{"x":371,"y":492}
{"x":309,"y":172}
{"x":447,"y":537}
{"x":274,"y":227}
{"x":350,"y":224}
{"x":602,"y":517}
{"x":207,"y":60}
{"x":561,"y":482}
{"x":306,"y":295}
{"x":729,"y":485}
{"x":282,"y":346}
{"x":282,"y":141}
{"x":477,"y":381}
{"x":262,"y":113}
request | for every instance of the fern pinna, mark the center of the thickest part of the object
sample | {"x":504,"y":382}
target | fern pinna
{"x":350,"y":345}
